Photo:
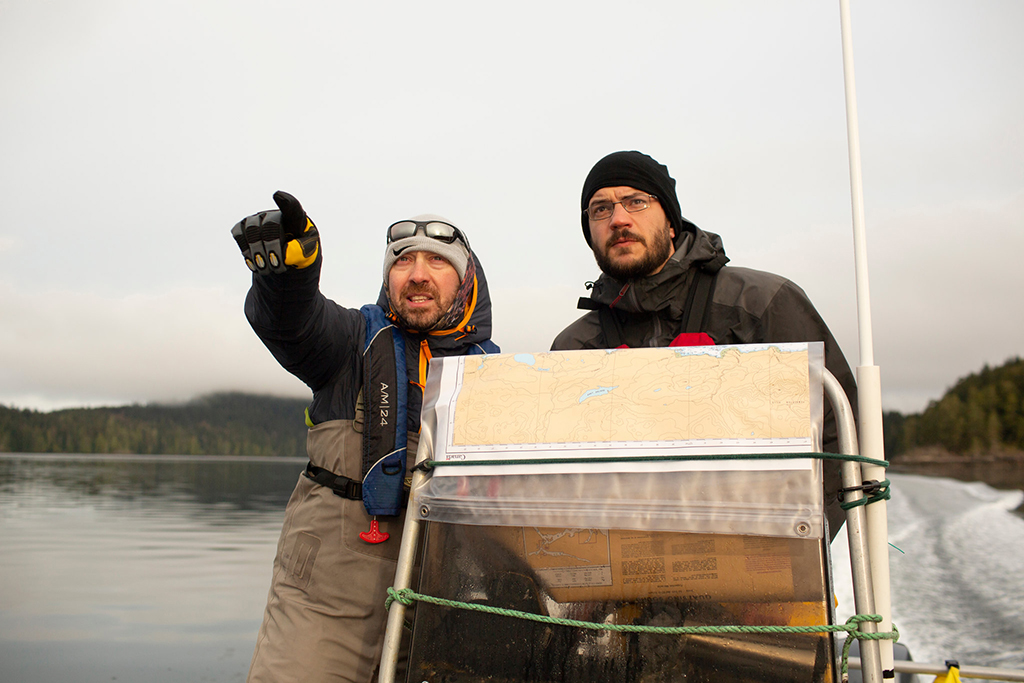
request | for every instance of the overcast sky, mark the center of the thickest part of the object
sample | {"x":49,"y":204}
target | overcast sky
{"x":134,"y":134}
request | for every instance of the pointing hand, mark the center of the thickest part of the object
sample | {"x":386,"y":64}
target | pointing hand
{"x":271,"y":241}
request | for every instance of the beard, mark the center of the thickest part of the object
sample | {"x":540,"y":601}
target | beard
{"x":654,"y":256}
{"x":420,"y":319}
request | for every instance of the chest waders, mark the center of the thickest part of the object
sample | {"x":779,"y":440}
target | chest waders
{"x":385,"y":395}
{"x":385,"y":419}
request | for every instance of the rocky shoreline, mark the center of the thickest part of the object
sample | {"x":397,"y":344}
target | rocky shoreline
{"x":937,"y":454}
{"x":1000,"y":469}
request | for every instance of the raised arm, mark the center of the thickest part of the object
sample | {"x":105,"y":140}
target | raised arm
{"x":309,"y":335}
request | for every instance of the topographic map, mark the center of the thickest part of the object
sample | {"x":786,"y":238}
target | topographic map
{"x":625,"y":403}
{"x":633,"y":395}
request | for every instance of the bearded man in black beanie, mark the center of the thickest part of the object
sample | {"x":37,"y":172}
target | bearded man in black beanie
{"x":664,"y":284}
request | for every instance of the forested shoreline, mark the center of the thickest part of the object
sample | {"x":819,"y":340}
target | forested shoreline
{"x":218,"y":424}
{"x":979,"y":419}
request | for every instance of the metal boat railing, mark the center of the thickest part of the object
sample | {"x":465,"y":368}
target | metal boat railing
{"x":870,"y":662}
{"x":979,"y":672}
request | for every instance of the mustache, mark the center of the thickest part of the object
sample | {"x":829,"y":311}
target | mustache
{"x":414,"y":288}
{"x":624,"y":234}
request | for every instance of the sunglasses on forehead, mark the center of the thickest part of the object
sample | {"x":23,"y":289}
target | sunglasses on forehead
{"x":437,"y":230}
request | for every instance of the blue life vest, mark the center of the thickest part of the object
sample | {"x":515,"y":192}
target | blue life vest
{"x":385,"y":402}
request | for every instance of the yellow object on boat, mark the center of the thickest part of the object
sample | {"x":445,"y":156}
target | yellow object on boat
{"x":951,"y":676}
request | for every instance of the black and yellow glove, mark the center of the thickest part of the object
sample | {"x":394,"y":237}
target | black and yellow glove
{"x":271,"y":241}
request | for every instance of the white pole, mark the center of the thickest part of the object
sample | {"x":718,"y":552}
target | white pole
{"x":856,"y":527}
{"x":406,"y":558}
{"x":869,"y":386}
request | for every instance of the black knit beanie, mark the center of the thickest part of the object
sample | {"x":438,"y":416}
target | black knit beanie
{"x":638,"y":170}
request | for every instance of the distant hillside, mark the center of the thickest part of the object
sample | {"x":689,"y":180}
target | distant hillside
{"x":218,"y":424}
{"x":981,"y":415}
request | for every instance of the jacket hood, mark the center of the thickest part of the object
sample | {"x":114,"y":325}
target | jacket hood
{"x":696,"y":249}
{"x":474,"y":325}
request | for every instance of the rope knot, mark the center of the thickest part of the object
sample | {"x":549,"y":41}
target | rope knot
{"x":874,"y":491}
{"x":403,"y":596}
{"x":859,"y":619}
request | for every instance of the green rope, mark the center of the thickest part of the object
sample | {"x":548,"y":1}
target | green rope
{"x":407,"y":597}
{"x":883,"y":494}
{"x":431,"y":464}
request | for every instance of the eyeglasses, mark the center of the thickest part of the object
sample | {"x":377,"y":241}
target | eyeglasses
{"x":437,"y":230}
{"x":600,"y":211}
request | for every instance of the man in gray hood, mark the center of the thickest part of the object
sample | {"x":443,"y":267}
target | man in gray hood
{"x":664,"y":284}
{"x":367,"y":368}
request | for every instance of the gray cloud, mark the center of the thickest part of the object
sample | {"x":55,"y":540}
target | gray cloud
{"x":135,"y":135}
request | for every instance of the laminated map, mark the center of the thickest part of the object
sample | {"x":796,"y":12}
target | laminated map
{"x":626,"y":403}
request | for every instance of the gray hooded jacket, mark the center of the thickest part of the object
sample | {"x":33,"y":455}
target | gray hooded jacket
{"x":747,"y":307}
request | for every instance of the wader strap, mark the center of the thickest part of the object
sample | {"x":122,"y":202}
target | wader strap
{"x":342,"y":486}
{"x":698,"y":300}
{"x":611,"y":327}
{"x":695,"y":310}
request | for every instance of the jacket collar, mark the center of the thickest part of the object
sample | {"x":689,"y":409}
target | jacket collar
{"x":665,"y":289}
{"x":474,"y":330}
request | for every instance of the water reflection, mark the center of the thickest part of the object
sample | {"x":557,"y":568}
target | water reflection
{"x":135,"y":568}
{"x":157,"y":569}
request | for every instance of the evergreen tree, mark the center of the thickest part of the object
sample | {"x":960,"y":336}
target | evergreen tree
{"x":981,"y":413}
{"x":219,"y":424}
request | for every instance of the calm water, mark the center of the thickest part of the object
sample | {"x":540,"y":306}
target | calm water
{"x":156,"y":569}
{"x":135,"y":569}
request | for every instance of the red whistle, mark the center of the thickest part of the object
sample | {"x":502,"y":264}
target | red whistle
{"x":374,"y":535}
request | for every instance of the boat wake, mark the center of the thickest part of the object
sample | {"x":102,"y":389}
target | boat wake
{"x":957,"y":585}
